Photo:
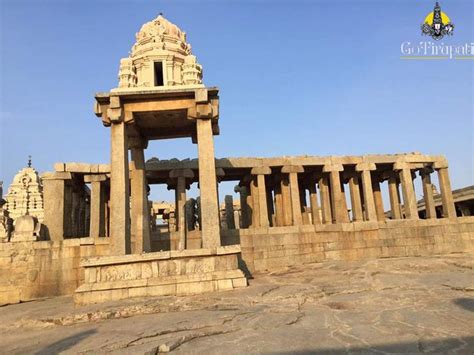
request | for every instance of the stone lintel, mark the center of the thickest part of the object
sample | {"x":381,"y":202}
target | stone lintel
{"x":186,"y":173}
{"x":261,"y":170}
{"x":201,"y":95}
{"x":332,"y":167}
{"x":365,"y":166}
{"x":443,"y":164}
{"x":56,"y":176}
{"x":220,"y":172}
{"x":95,"y":177}
{"x":400,"y":165}
{"x":286,"y":169}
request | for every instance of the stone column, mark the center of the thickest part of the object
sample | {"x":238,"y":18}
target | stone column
{"x":254,"y":203}
{"x":119,"y":181}
{"x":286,"y":200}
{"x":182,"y":177}
{"x":428,"y":192}
{"x":244,"y":208}
{"x":292,"y":171}
{"x":207,"y":185}
{"x":378,"y":199}
{"x":140,"y":214}
{"x":303,"y":206}
{"x":356,"y":202}
{"x":449,"y":211}
{"x":325,"y":199}
{"x":394,"y":194}
{"x":369,"y":203}
{"x":313,"y":198}
{"x":409,"y":198}
{"x":261,"y":194}
{"x":97,"y":205}
{"x":279,"y":217}
{"x":54,"y":197}
{"x":339,"y":211}
{"x":229,"y":211}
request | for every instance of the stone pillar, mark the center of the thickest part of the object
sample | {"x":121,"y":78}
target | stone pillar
{"x":369,"y":203}
{"x":97,"y":205}
{"x":325,"y":199}
{"x":292,"y":171}
{"x":304,"y":210}
{"x":244,"y":208}
{"x":379,"y":210}
{"x":270,"y":206}
{"x":409,"y":198}
{"x":182,"y":178}
{"x":286,"y":200}
{"x":394,"y":194}
{"x":339,"y":211}
{"x":447,"y":199}
{"x":313,"y":198}
{"x":261,"y":194}
{"x":428,"y":192}
{"x":254,"y":203}
{"x":356,"y":202}
{"x":207,"y":185}
{"x":279,"y":214}
{"x":229,"y":211}
{"x":55,"y":209}
{"x":140,"y":214}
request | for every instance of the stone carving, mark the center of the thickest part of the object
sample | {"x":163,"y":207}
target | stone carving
{"x":25,"y":195}
{"x":160,"y":49}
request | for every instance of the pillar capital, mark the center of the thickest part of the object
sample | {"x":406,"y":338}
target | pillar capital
{"x":115,"y":111}
{"x":332,"y":167}
{"x":240,"y":189}
{"x":286,"y":169}
{"x":261,"y":170}
{"x":220,"y":173}
{"x":137,"y":142}
{"x":365,"y":167}
{"x":426,"y":171}
{"x":442,"y":164}
{"x":400,"y":165}
{"x":186,"y":173}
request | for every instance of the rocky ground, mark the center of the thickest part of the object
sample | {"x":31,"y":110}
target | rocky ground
{"x":404,"y":305}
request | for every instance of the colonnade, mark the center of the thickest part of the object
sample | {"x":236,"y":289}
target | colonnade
{"x":277,"y":196}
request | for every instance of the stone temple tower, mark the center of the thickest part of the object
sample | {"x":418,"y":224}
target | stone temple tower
{"x":160,"y":57}
{"x":25,"y":195}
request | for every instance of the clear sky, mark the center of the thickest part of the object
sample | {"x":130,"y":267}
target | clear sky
{"x":296,"y":77}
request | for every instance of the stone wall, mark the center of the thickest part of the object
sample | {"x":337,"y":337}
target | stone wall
{"x":274,"y":248}
{"x":30,"y":270}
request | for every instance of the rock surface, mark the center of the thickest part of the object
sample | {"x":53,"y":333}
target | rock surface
{"x":404,"y":305}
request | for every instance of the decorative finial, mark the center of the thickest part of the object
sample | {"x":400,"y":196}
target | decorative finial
{"x":29,"y":161}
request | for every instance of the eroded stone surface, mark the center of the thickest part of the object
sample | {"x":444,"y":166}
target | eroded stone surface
{"x":384,"y":306}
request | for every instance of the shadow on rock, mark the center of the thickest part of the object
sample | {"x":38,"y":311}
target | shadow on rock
{"x":65,"y":343}
{"x":465,"y":303}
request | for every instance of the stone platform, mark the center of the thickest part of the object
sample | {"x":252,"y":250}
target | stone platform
{"x":184,"y":272}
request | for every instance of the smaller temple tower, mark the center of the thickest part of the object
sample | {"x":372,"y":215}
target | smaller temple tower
{"x":25,"y":194}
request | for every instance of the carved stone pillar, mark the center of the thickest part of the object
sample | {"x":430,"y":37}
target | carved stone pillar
{"x":244,"y":208}
{"x":449,"y":210}
{"x":409,"y":198}
{"x":339,"y":209}
{"x":369,"y":203}
{"x":394,"y":194}
{"x":261,"y":203}
{"x":229,"y":211}
{"x":97,"y":205}
{"x":292,"y":171}
{"x":325,"y":199}
{"x":378,"y":198}
{"x":313,"y":197}
{"x":428,"y":198}
{"x":356,"y":202}
{"x":182,"y":177}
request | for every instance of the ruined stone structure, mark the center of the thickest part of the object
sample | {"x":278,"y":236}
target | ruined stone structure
{"x":103,"y":242}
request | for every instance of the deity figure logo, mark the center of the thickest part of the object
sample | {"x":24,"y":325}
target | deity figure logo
{"x":437,"y":24}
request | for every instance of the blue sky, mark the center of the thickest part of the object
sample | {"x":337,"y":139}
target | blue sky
{"x":295,"y":78}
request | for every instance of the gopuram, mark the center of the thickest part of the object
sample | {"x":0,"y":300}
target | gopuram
{"x":99,"y":238}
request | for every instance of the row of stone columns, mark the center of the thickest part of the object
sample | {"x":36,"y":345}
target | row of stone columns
{"x":288,"y":207}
